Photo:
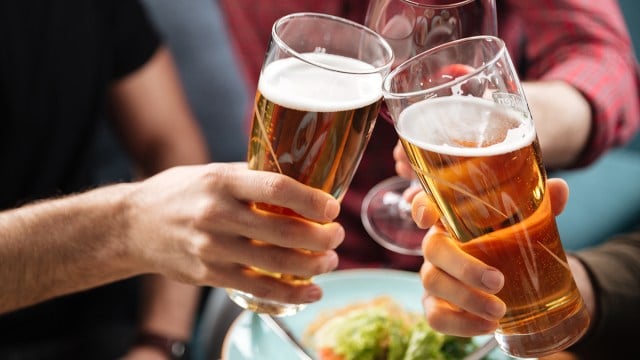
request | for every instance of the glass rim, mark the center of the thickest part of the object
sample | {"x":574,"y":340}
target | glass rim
{"x":441,"y":6}
{"x":388,"y":94}
{"x":283,"y":45}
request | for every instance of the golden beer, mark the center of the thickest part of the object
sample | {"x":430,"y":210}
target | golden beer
{"x":481,"y":164}
{"x":312,"y":125}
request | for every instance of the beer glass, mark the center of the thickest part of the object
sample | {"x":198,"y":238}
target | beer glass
{"x":411,"y":27}
{"x":318,"y":97}
{"x":464,"y":122}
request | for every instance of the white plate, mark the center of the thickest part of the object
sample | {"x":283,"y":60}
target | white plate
{"x":249,"y":338}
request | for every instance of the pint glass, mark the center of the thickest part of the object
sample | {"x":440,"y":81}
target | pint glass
{"x":463,"y":120}
{"x":318,"y":97}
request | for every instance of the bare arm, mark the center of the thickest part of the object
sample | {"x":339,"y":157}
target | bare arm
{"x":154,"y":120}
{"x":191,"y":224}
{"x":563,"y":120}
{"x":62,"y":246}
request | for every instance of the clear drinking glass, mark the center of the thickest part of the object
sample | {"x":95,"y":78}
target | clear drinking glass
{"x":318,"y":97}
{"x":464,"y":122}
{"x":411,"y":27}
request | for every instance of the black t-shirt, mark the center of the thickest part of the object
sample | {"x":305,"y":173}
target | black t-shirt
{"x":57,"y":59}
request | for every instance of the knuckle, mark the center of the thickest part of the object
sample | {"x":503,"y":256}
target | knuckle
{"x":315,"y":199}
{"x":196,"y":273}
{"x":317,"y":266}
{"x":274,"y":186}
{"x":220,"y":178}
{"x":285,"y":292}
{"x":431,"y":277}
{"x":200,"y":273}
{"x":430,"y":246}
{"x":271,"y":258}
{"x":207,"y":248}
{"x":206,"y":211}
{"x":469,"y":302}
{"x":286,"y":230}
{"x":223,"y":276}
{"x":262,"y":291}
{"x":214,"y":175}
{"x":321,"y":239}
{"x":467,"y":272}
{"x":280,"y":259}
{"x":271,"y":290}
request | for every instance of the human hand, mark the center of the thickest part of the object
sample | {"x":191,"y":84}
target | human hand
{"x":404,"y":169}
{"x":402,"y":165}
{"x":195,"y":224}
{"x":460,"y":289}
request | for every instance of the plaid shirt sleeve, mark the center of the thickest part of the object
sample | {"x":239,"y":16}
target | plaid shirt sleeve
{"x":586,"y":44}
{"x":582,"y":42}
{"x":250,"y":23}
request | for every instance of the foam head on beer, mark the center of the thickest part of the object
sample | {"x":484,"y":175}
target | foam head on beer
{"x":312,"y":122}
{"x":465,"y":126}
{"x":313,"y":117}
{"x":471,"y":151}
{"x":481,"y":163}
{"x":299,"y":85}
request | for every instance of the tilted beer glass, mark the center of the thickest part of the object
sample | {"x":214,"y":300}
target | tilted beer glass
{"x":411,"y":27}
{"x":318,"y":98}
{"x":464,"y":122}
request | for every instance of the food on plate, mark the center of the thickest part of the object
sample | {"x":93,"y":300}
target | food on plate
{"x":380,"y":329}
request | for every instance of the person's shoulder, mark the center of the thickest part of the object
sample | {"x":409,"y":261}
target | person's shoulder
{"x":135,"y":38}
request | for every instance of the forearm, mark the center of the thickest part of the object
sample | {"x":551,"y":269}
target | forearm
{"x":160,"y":132}
{"x":154,"y":118}
{"x":595,"y":56}
{"x":614,"y":276}
{"x":57,"y":247}
{"x":171,"y":308}
{"x":562,"y":118}
{"x":581,"y":277}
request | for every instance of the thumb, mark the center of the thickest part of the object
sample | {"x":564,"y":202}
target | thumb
{"x":559,"y":194}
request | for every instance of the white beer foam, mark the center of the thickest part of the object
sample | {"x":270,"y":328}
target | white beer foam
{"x":298,"y":85}
{"x":437,"y":124}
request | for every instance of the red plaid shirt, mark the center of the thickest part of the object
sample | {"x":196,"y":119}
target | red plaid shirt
{"x":584,"y":43}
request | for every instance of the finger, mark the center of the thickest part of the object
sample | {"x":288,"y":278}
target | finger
{"x":283,"y":191}
{"x":410,"y":192}
{"x":445,"y":253}
{"x":424,"y":211}
{"x":239,"y":218}
{"x":402,"y":165}
{"x":558,"y":193}
{"x":271,"y":258}
{"x":439,"y":284}
{"x":262,"y":286}
{"x":447,"y":319}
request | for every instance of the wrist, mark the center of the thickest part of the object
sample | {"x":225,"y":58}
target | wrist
{"x":117,"y":242}
{"x":122,"y":236}
{"x":172,"y":348}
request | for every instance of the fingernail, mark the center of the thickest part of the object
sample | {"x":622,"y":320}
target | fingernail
{"x":332,"y":209}
{"x":420,"y":213}
{"x":493,"y":280}
{"x":313,"y":294}
{"x":495,"y":309}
